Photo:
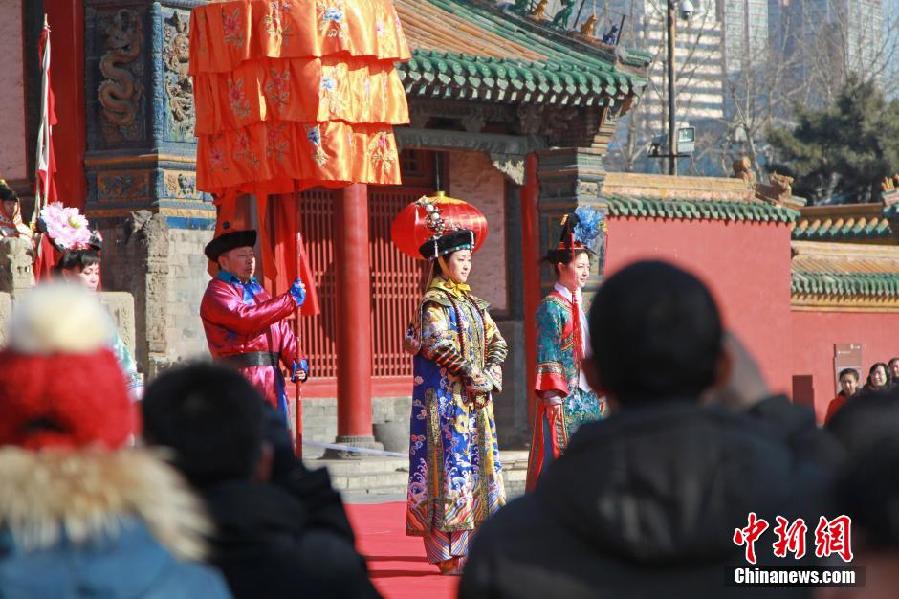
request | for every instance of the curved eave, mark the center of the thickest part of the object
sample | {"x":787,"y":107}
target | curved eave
{"x":461,"y":77}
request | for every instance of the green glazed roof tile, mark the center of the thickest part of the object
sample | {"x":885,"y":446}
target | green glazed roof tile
{"x":872,"y":285}
{"x":686,"y":209}
{"x":820,"y":230}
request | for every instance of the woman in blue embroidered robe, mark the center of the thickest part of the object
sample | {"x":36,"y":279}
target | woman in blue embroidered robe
{"x":455,"y":478}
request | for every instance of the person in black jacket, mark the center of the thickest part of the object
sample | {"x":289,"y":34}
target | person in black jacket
{"x":647,"y":502}
{"x":281,"y":530}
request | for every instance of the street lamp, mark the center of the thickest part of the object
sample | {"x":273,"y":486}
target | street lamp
{"x":686,"y":11}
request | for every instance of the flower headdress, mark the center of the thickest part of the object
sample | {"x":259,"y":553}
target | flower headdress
{"x":68,"y":228}
{"x":582,"y":231}
{"x":589,"y":227}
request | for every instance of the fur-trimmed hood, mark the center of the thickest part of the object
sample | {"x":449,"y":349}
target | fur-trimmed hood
{"x":82,"y":496}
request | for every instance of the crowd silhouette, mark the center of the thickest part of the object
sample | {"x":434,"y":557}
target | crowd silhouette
{"x":659,"y":499}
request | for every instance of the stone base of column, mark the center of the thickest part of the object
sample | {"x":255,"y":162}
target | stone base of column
{"x":361,"y":441}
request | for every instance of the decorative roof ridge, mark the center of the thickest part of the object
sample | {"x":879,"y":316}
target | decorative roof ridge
{"x":640,"y":59}
{"x":510,"y":18}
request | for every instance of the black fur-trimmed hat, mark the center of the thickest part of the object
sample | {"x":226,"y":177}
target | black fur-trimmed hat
{"x":452,"y":241}
{"x":229,"y":241}
{"x":7,"y":194}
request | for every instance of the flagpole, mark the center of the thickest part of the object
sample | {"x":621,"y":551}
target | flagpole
{"x":41,"y":162}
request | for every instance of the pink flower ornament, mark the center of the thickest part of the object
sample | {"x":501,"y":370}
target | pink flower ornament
{"x":66,"y":226}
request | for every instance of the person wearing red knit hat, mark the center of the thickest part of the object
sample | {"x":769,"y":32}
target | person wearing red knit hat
{"x":81,"y":514}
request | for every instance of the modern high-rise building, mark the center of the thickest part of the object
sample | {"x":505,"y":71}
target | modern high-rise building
{"x":891,"y":45}
{"x":699,"y":65}
{"x":831,"y":38}
{"x":745,"y":24}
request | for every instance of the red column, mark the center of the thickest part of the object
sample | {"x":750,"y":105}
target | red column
{"x":530,"y":256}
{"x":354,"y":357}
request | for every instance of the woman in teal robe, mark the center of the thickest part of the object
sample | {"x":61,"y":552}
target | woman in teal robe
{"x":565,"y":400}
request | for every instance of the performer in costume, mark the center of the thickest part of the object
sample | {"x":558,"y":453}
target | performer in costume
{"x":11,"y":224}
{"x":78,"y":248}
{"x":455,"y":478}
{"x":245,"y":326}
{"x":565,"y":400}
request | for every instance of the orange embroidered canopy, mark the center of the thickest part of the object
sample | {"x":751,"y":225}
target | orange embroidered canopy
{"x":295,"y":94}
{"x":289,"y":95}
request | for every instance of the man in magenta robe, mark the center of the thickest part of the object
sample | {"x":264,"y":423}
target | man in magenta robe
{"x":245,"y":326}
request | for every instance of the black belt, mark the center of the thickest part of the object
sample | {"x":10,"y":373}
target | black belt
{"x":253,"y":358}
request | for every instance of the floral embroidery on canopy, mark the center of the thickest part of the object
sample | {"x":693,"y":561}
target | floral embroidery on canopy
{"x":232,"y":27}
{"x":331,"y":18}
{"x":383,"y":155}
{"x":274,"y":21}
{"x":240,"y":106}
{"x":217,"y":158}
{"x":314,"y":135}
{"x":277,"y":88}
{"x":244,"y":151}
{"x":332,"y":101}
{"x":277,"y":145}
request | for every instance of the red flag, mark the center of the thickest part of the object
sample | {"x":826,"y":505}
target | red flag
{"x":290,"y":255}
{"x":45,"y":162}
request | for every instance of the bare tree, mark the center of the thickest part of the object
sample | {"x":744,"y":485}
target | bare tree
{"x":836,"y":38}
{"x":763,"y":93}
{"x":812,"y":50}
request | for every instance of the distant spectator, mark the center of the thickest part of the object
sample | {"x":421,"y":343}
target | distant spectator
{"x":645,"y":503}
{"x":893,"y":365}
{"x":80,"y":516}
{"x":849,"y":378}
{"x":270,"y":541}
{"x":878,"y":380}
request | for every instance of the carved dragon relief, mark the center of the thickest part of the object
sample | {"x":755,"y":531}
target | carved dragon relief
{"x":178,"y":84}
{"x":120,"y":91}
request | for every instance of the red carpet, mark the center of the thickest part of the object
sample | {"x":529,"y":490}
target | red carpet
{"x":396,"y":562}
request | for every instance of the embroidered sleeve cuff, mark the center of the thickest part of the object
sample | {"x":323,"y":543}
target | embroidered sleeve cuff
{"x":551,"y":381}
